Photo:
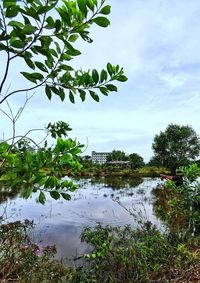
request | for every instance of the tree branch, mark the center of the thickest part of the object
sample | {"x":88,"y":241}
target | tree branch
{"x":8,"y":54}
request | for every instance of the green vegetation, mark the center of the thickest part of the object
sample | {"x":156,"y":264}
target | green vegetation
{"x":90,"y":169}
{"x":117,"y":155}
{"x":146,"y":254}
{"x":179,"y":206}
{"x":22,"y":261}
{"x":119,"y":254}
{"x":176,"y":146}
{"x":46,"y":44}
{"x":132,"y":255}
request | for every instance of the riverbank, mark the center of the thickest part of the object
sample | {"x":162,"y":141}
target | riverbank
{"x":113,"y":171}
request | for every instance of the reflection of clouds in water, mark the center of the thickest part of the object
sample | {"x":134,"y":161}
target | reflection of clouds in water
{"x":65,"y":237}
{"x":61,"y":222}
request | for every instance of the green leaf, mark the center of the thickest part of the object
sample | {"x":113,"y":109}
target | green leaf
{"x":29,"y":29}
{"x":111,"y":87}
{"x":29,"y":62}
{"x":42,"y":198}
{"x":73,"y":37}
{"x":82,"y":94}
{"x":4,"y":146}
{"x":61,"y":94}
{"x":12,"y":11}
{"x":71,"y":97}
{"x":95,"y":76}
{"x":103,"y":90}
{"x":58,"y":25}
{"x":28,"y":77}
{"x":105,"y":10}
{"x":7,"y":3}
{"x":86,"y":37}
{"x":26,"y":20}
{"x":57,"y":47}
{"x":122,"y":78}
{"x":32,"y":76}
{"x":90,"y":4}
{"x":50,"y":22}
{"x":82,"y":6}
{"x":27,"y":192}
{"x":94,"y":95}
{"x":48,"y":92}
{"x":17,"y":32}
{"x":71,"y":50}
{"x":44,"y":9}
{"x":41,"y":66}
{"x":55,"y":90}
{"x":65,"y":159}
{"x":17,"y":44}
{"x":66,"y":196}
{"x":103,"y":76}
{"x":101,"y":21}
{"x":66,"y":67}
{"x":37,"y":76}
{"x":110,"y":69}
{"x":15,"y":24}
{"x":31,"y":12}
{"x":64,"y":15}
{"x":55,"y":195}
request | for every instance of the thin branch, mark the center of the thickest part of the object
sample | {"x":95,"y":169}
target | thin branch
{"x":6,"y":114}
{"x":21,"y":138}
{"x":8,"y":54}
{"x":22,"y":90}
{"x":23,"y":107}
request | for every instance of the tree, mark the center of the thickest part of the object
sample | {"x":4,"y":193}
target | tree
{"x":42,"y":34}
{"x":176,"y":146}
{"x":117,"y":155}
{"x":137,"y":161}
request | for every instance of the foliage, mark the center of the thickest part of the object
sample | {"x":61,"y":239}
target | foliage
{"x":117,"y":155}
{"x":45,"y":42}
{"x":179,"y":206}
{"x":176,"y":146}
{"x":42,"y":169}
{"x":137,"y":161}
{"x":21,"y":260}
{"x":131,"y":255}
{"x":42,"y":35}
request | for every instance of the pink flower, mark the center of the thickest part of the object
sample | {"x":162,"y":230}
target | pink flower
{"x":34,"y":248}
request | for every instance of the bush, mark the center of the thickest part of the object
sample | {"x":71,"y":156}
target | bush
{"x":24,"y":261}
{"x":179,"y":206}
{"x":127,"y":254}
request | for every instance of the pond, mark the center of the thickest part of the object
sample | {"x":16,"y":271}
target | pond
{"x":114,"y":201}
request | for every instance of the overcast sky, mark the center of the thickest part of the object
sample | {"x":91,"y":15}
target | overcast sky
{"x":158,"y":44}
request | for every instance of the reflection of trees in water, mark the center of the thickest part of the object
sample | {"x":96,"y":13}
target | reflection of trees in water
{"x":8,"y":194}
{"x":164,"y":209}
{"x":117,"y":183}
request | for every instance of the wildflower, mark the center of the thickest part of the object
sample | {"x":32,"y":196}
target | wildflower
{"x":33,"y":247}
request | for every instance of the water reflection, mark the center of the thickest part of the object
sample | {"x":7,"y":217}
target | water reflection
{"x":118,"y":183}
{"x":96,"y":201}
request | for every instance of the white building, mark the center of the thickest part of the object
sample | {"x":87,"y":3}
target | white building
{"x":99,"y":157}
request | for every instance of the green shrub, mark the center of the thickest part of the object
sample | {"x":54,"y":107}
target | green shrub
{"x":126,"y":254}
{"x":24,"y":261}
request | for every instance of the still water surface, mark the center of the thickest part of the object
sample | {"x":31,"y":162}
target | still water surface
{"x":96,"y":201}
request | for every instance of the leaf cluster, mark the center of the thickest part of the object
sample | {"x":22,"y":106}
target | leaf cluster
{"x":41,"y":170}
{"x":46,"y":44}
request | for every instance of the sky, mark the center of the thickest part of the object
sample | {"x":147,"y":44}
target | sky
{"x":157,"y":42}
